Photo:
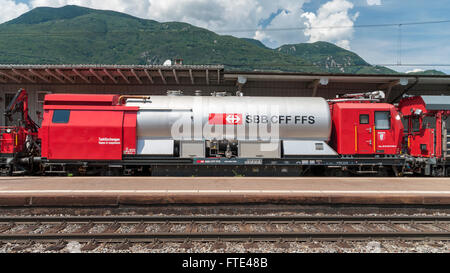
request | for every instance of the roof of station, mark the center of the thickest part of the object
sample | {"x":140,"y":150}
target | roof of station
{"x":184,"y":74}
{"x":111,"y":74}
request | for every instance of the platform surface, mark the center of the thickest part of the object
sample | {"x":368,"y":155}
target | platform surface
{"x":113,"y":191}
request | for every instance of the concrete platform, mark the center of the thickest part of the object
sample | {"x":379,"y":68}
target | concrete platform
{"x":114,"y":191}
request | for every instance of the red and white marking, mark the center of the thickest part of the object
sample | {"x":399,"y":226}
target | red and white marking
{"x":225,"y":119}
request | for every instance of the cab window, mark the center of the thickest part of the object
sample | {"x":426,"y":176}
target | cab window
{"x":416,"y":124}
{"x":382,"y":120}
{"x":363,"y":119}
{"x":61,"y":116}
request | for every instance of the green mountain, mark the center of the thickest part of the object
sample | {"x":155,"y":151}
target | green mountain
{"x":428,"y":72}
{"x":333,"y":58}
{"x":74,"y":35}
{"x":77,"y":35}
{"x":255,"y":42}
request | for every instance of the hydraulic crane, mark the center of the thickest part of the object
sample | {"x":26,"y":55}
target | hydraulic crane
{"x":20,"y":104}
{"x":18,"y":143}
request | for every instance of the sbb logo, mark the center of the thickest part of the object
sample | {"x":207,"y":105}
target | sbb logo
{"x":225,"y":119}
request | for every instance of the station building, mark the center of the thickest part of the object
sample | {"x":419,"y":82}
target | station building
{"x":40,"y":80}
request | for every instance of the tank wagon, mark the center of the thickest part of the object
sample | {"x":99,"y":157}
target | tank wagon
{"x":87,"y":134}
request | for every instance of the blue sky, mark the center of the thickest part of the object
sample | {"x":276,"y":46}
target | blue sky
{"x":421,"y":44}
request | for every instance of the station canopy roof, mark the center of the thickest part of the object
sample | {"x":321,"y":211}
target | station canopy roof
{"x":187,"y":74}
{"x":437,"y":102}
{"x":111,"y":74}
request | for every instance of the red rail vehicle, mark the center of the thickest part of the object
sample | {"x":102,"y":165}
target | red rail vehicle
{"x":227,"y":135}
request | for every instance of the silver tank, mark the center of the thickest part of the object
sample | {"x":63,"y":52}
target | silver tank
{"x":232,"y":118}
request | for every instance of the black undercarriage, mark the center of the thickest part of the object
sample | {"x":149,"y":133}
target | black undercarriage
{"x":341,"y":166}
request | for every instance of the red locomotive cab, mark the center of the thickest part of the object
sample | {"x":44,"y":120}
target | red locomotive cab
{"x":362,"y":128}
{"x":426,"y":129}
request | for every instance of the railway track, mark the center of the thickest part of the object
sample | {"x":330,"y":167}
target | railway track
{"x":135,"y":229}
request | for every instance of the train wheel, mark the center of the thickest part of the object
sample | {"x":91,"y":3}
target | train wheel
{"x":112,"y":172}
{"x":382,"y":172}
{"x":337,"y":172}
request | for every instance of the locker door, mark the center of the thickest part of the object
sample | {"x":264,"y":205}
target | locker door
{"x":365,"y":133}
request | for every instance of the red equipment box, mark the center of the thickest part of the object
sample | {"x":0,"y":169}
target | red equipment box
{"x":12,"y":139}
{"x":87,"y":127}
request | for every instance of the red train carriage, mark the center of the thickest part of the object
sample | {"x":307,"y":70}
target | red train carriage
{"x":426,"y":127}
{"x":175,"y":135}
{"x":366,"y":129}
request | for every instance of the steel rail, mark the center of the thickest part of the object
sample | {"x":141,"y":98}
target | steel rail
{"x":224,"y":219}
{"x":217,"y":236}
{"x":140,"y":236}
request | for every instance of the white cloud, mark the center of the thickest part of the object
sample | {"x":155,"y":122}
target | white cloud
{"x":415,"y":70}
{"x":261,"y":35}
{"x":287,"y":19}
{"x":374,"y":2}
{"x":10,"y":10}
{"x":327,"y":24}
{"x":344,"y":44}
